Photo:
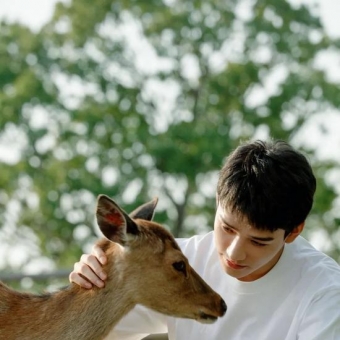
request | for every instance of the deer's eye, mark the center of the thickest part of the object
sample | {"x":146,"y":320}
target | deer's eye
{"x":180,"y":266}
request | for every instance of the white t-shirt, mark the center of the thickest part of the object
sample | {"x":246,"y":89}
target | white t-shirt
{"x":299,"y":299}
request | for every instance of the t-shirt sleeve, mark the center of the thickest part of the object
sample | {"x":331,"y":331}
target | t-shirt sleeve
{"x":137,"y":324}
{"x":322,"y":318}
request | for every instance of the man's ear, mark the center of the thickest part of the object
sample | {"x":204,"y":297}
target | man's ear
{"x":295,"y":233}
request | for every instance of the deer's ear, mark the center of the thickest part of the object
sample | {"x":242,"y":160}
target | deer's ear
{"x":113,"y":222}
{"x":145,"y":211}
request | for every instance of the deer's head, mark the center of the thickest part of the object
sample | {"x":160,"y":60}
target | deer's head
{"x":154,"y":266}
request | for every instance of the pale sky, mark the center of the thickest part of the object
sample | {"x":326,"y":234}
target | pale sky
{"x":33,"y":13}
{"x":37,"y":12}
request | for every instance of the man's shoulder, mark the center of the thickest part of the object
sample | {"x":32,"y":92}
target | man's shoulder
{"x":314,"y":263}
{"x":303,"y":249}
{"x":199,"y":248}
{"x":196,"y":241}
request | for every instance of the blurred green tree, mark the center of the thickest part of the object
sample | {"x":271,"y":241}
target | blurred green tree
{"x":145,"y":98}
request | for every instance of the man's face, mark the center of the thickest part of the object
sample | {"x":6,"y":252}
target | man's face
{"x":245,"y":253}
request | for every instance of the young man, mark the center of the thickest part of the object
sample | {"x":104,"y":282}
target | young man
{"x":276,"y":285}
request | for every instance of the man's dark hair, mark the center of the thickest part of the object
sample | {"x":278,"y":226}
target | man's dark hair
{"x":269,"y":183}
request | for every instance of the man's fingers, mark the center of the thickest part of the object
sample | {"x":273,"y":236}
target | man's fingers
{"x":90,"y":262}
{"x":88,"y":271}
{"x":76,"y":278}
{"x":99,"y":254}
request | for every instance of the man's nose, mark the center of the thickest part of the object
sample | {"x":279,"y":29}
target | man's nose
{"x":236,"y":251}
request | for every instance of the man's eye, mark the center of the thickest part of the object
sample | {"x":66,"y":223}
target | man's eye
{"x":258,"y":244}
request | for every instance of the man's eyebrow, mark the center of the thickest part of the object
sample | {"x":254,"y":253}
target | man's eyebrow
{"x":257,"y":238}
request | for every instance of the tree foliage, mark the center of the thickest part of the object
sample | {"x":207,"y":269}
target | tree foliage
{"x":136,"y":99}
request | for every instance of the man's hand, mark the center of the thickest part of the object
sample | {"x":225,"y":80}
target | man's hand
{"x":88,"y":271}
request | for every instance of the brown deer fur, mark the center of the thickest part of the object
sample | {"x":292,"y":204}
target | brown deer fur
{"x":145,"y":266}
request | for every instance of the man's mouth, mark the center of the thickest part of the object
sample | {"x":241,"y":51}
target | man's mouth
{"x":234,"y":265}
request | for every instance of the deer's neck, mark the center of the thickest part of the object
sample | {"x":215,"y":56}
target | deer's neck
{"x":95,"y":312}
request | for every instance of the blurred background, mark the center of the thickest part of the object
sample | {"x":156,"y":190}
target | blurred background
{"x":136,"y":99}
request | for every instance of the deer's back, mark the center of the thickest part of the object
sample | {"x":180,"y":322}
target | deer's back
{"x":71,"y":313}
{"x":28,"y":316}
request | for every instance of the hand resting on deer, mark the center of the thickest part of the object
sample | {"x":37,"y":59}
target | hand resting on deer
{"x":145,"y":266}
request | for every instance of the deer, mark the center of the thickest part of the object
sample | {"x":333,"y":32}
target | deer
{"x":145,"y":266}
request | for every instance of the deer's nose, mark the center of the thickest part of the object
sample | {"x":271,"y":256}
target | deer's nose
{"x":223,"y":307}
